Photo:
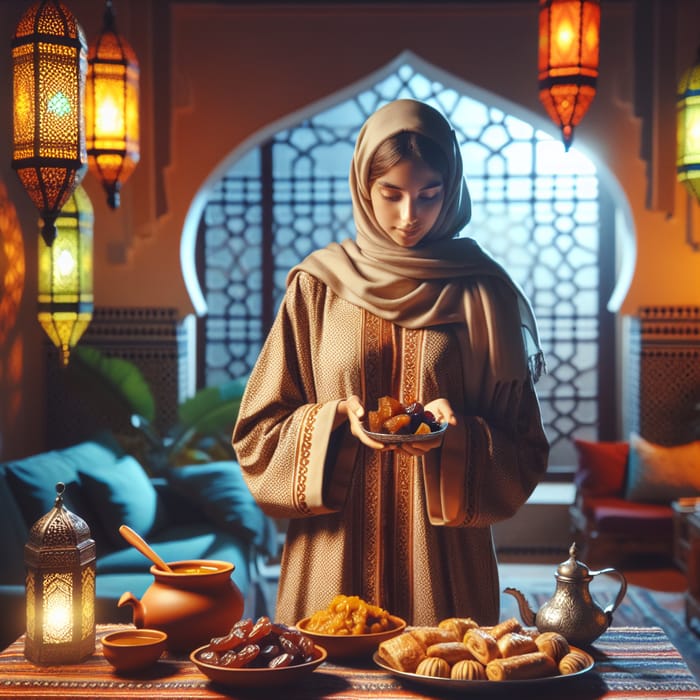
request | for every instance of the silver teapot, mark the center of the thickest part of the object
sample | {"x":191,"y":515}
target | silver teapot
{"x":572,"y":611}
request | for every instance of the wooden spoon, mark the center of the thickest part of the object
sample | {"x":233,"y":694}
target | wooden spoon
{"x":135,"y":540}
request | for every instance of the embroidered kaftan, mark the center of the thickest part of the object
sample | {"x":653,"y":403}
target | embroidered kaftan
{"x":410,"y":534}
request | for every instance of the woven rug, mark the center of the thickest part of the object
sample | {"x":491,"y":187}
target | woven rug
{"x":630,"y":663}
{"x":640,"y":607}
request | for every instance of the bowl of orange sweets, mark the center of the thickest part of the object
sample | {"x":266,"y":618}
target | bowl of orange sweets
{"x":395,"y":422}
{"x":350,"y":627}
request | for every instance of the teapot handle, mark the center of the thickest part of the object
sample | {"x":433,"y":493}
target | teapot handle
{"x":621,"y":591}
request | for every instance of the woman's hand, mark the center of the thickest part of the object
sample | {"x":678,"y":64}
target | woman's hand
{"x":352,"y":408}
{"x":442,"y":410}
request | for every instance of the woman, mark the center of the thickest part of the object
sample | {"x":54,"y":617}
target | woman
{"x":409,"y":311}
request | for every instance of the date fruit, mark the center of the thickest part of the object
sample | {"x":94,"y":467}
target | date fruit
{"x":259,"y":644}
{"x":393,"y":418}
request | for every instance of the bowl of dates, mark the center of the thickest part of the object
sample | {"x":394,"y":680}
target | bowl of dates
{"x":258,"y":653}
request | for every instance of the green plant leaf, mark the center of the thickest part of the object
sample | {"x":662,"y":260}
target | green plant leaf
{"x":213,"y":409}
{"x":112,"y":379}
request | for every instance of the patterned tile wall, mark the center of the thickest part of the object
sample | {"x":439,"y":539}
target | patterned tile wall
{"x":663,"y":374}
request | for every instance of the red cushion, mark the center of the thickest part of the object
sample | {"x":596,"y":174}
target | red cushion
{"x":602,"y":467}
{"x":629,"y":518}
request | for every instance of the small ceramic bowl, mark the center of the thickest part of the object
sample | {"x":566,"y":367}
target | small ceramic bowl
{"x":344,"y":646}
{"x":257,"y":677}
{"x":133,"y":650}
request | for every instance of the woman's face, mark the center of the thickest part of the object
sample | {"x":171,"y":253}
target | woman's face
{"x":407,"y":200}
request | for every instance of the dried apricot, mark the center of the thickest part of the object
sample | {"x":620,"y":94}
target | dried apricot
{"x":374,"y":421}
{"x":388,"y":406}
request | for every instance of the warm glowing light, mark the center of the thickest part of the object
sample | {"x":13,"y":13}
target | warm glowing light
{"x":569,"y":40}
{"x":57,"y":608}
{"x":49,"y":65}
{"x":65,"y":295}
{"x":112,"y":109}
{"x":12,"y":265}
{"x":565,"y":37}
{"x":59,"y":559}
{"x":688,"y":129}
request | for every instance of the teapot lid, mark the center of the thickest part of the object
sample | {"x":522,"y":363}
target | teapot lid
{"x":572,"y":568}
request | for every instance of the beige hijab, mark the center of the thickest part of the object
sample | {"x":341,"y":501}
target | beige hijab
{"x":421,"y":286}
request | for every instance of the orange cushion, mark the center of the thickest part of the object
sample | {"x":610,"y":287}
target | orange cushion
{"x":602,"y":468}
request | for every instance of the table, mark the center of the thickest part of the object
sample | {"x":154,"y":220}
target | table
{"x":692,"y":595}
{"x":682,"y":509}
{"x":631,"y":662}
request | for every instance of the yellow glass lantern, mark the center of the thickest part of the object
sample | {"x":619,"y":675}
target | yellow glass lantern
{"x":112,"y":109}
{"x":569,"y":47}
{"x":49,"y":66}
{"x":688,"y":129}
{"x":65,"y":300}
{"x":60,"y":587}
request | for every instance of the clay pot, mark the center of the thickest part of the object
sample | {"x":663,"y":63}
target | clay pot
{"x":194,"y":602}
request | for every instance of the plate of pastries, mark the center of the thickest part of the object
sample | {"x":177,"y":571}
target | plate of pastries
{"x":257,"y":653}
{"x":350,"y":627}
{"x":460,"y":653}
{"x":393,"y":422}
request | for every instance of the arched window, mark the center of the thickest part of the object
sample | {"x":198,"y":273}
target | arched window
{"x":536,"y":208}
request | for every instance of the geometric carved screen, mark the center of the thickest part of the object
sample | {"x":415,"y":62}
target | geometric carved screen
{"x":534,"y":207}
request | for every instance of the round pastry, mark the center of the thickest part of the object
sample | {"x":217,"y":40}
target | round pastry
{"x":433,"y":666}
{"x":553,"y":644}
{"x":573,"y":662}
{"x":468,"y":670}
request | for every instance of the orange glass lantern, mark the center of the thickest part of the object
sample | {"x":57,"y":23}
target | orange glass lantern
{"x":60,"y":587}
{"x":49,"y":66}
{"x":112,"y":109}
{"x":65,"y":298}
{"x":688,"y":129}
{"x":569,"y":47}
{"x":12,"y":264}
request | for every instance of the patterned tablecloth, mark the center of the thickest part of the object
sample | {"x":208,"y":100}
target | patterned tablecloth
{"x":631,"y":662}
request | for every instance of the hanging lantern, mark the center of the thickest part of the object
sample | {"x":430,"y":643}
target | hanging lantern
{"x":66,"y":275}
{"x":12,"y":268}
{"x":569,"y":43}
{"x":688,"y":129}
{"x":112,"y":109}
{"x":60,"y":587}
{"x":49,"y":66}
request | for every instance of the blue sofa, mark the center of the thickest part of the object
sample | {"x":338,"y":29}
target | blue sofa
{"x":201,"y":511}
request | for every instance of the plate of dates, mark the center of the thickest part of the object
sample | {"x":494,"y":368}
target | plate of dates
{"x":394,"y":422}
{"x":258,"y":653}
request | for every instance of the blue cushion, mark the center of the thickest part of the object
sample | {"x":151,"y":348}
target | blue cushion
{"x":14,"y":534}
{"x":100,"y":451}
{"x":33,"y":481}
{"x":219,"y":490}
{"x":122,"y":493}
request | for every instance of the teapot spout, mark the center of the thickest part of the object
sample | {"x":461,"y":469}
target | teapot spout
{"x":526,"y":612}
{"x":139,"y":612}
